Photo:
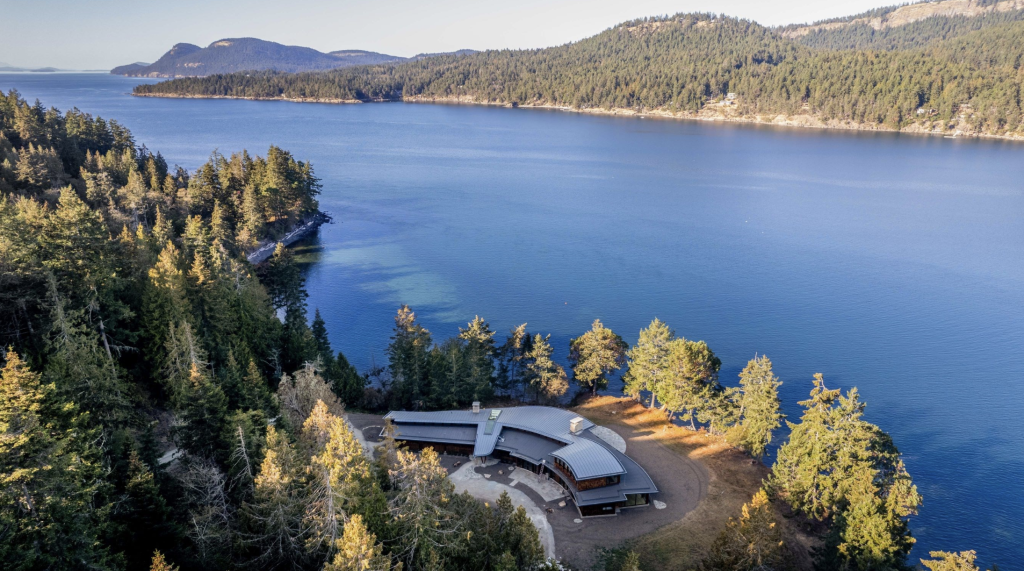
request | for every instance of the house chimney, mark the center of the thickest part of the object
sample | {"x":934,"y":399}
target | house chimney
{"x":476,"y":407}
{"x":576,"y":425}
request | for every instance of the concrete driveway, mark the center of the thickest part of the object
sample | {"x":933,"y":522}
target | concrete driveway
{"x":467,"y":479}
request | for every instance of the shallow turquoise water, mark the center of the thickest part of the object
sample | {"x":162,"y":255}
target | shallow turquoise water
{"x":892,"y":263}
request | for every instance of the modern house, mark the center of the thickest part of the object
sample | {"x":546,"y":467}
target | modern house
{"x":544,"y":440}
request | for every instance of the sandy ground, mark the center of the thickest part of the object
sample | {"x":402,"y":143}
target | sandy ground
{"x":730,"y":478}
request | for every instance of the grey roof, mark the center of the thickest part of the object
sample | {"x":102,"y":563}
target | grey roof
{"x":453,"y":434}
{"x":527,"y":445}
{"x":589,"y":459}
{"x":546,"y":421}
{"x":539,"y":435}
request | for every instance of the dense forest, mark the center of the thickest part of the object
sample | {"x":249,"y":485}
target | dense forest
{"x":909,"y":36}
{"x":970,"y":80}
{"x":166,"y":405}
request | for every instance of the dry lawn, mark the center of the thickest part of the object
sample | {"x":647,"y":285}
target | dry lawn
{"x":733,"y":479}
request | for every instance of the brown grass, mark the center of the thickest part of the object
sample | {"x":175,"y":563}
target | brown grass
{"x":733,"y":479}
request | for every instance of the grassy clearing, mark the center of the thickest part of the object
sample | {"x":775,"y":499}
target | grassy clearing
{"x":733,"y":479}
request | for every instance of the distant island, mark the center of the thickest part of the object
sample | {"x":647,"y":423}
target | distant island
{"x":233,"y":55}
{"x":950,"y":67}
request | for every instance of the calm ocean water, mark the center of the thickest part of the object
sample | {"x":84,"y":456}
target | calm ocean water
{"x":892,"y":263}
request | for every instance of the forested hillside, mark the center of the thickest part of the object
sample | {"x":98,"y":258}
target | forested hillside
{"x":686,"y":65}
{"x":247,"y":54}
{"x":154,"y":410}
{"x":918,"y":34}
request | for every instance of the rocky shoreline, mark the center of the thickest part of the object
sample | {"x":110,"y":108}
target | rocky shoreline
{"x":266,"y":248}
{"x":708,"y":114}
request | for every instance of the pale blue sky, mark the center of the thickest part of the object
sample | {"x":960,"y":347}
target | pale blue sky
{"x":99,"y":34}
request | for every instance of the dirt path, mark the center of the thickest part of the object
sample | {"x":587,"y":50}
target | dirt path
{"x":682,"y":483}
{"x":712,"y":479}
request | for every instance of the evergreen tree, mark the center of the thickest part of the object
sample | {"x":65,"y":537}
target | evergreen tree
{"x":160,"y":563}
{"x":839,"y":468}
{"x":300,"y":393}
{"x":754,"y":541}
{"x":50,"y":478}
{"x":338,"y":473}
{"x":141,"y":515}
{"x":421,"y":508}
{"x":509,"y":355}
{"x":946,"y":561}
{"x":275,"y":515}
{"x":203,"y":416}
{"x":407,"y":358}
{"x":759,"y":406}
{"x":546,"y":377}
{"x":480,"y":353}
{"x":358,"y":550}
{"x":596,"y":354}
{"x":648,"y":360}
{"x":692,"y":379}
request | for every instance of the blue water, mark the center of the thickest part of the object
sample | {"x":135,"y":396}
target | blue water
{"x":893,"y":263}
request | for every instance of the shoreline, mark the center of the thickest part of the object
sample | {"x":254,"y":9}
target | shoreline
{"x":266,"y":248}
{"x":804,"y":121}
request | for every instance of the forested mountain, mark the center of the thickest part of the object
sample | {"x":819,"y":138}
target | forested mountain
{"x":688,"y":65}
{"x":247,"y":54}
{"x":895,"y":29}
{"x":904,"y":14}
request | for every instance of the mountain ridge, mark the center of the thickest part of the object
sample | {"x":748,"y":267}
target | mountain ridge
{"x":896,"y":16}
{"x":231,"y":55}
{"x":694,"y":66}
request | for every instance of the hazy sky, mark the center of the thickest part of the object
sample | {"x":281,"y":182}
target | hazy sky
{"x":100,"y":34}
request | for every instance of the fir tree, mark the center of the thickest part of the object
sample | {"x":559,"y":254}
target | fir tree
{"x":407,"y":358}
{"x":358,"y":550}
{"x":759,"y":406}
{"x":648,"y":360}
{"x":50,"y":478}
{"x":203,"y":416}
{"x":596,"y":354}
{"x":546,"y":377}
{"x":754,"y":541}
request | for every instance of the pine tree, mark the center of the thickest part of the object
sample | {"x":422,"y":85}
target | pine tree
{"x":542,"y":373}
{"x":480,"y":351}
{"x":49,"y":477}
{"x":323,"y":343}
{"x":142,"y":515}
{"x":358,"y":550}
{"x":338,"y":472}
{"x":759,"y":406}
{"x":596,"y":354}
{"x":946,"y":561}
{"x":836,"y":467}
{"x":407,"y":358}
{"x":421,"y":508}
{"x":754,"y":541}
{"x":165,"y":298}
{"x":299,"y":394}
{"x":203,"y":415}
{"x":692,"y":378}
{"x":648,"y":360}
{"x":509,"y":356}
{"x":275,"y":515}
{"x":160,"y":563}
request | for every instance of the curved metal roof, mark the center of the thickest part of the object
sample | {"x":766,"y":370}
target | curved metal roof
{"x":537,"y":434}
{"x":589,"y":459}
{"x":544,"y":420}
